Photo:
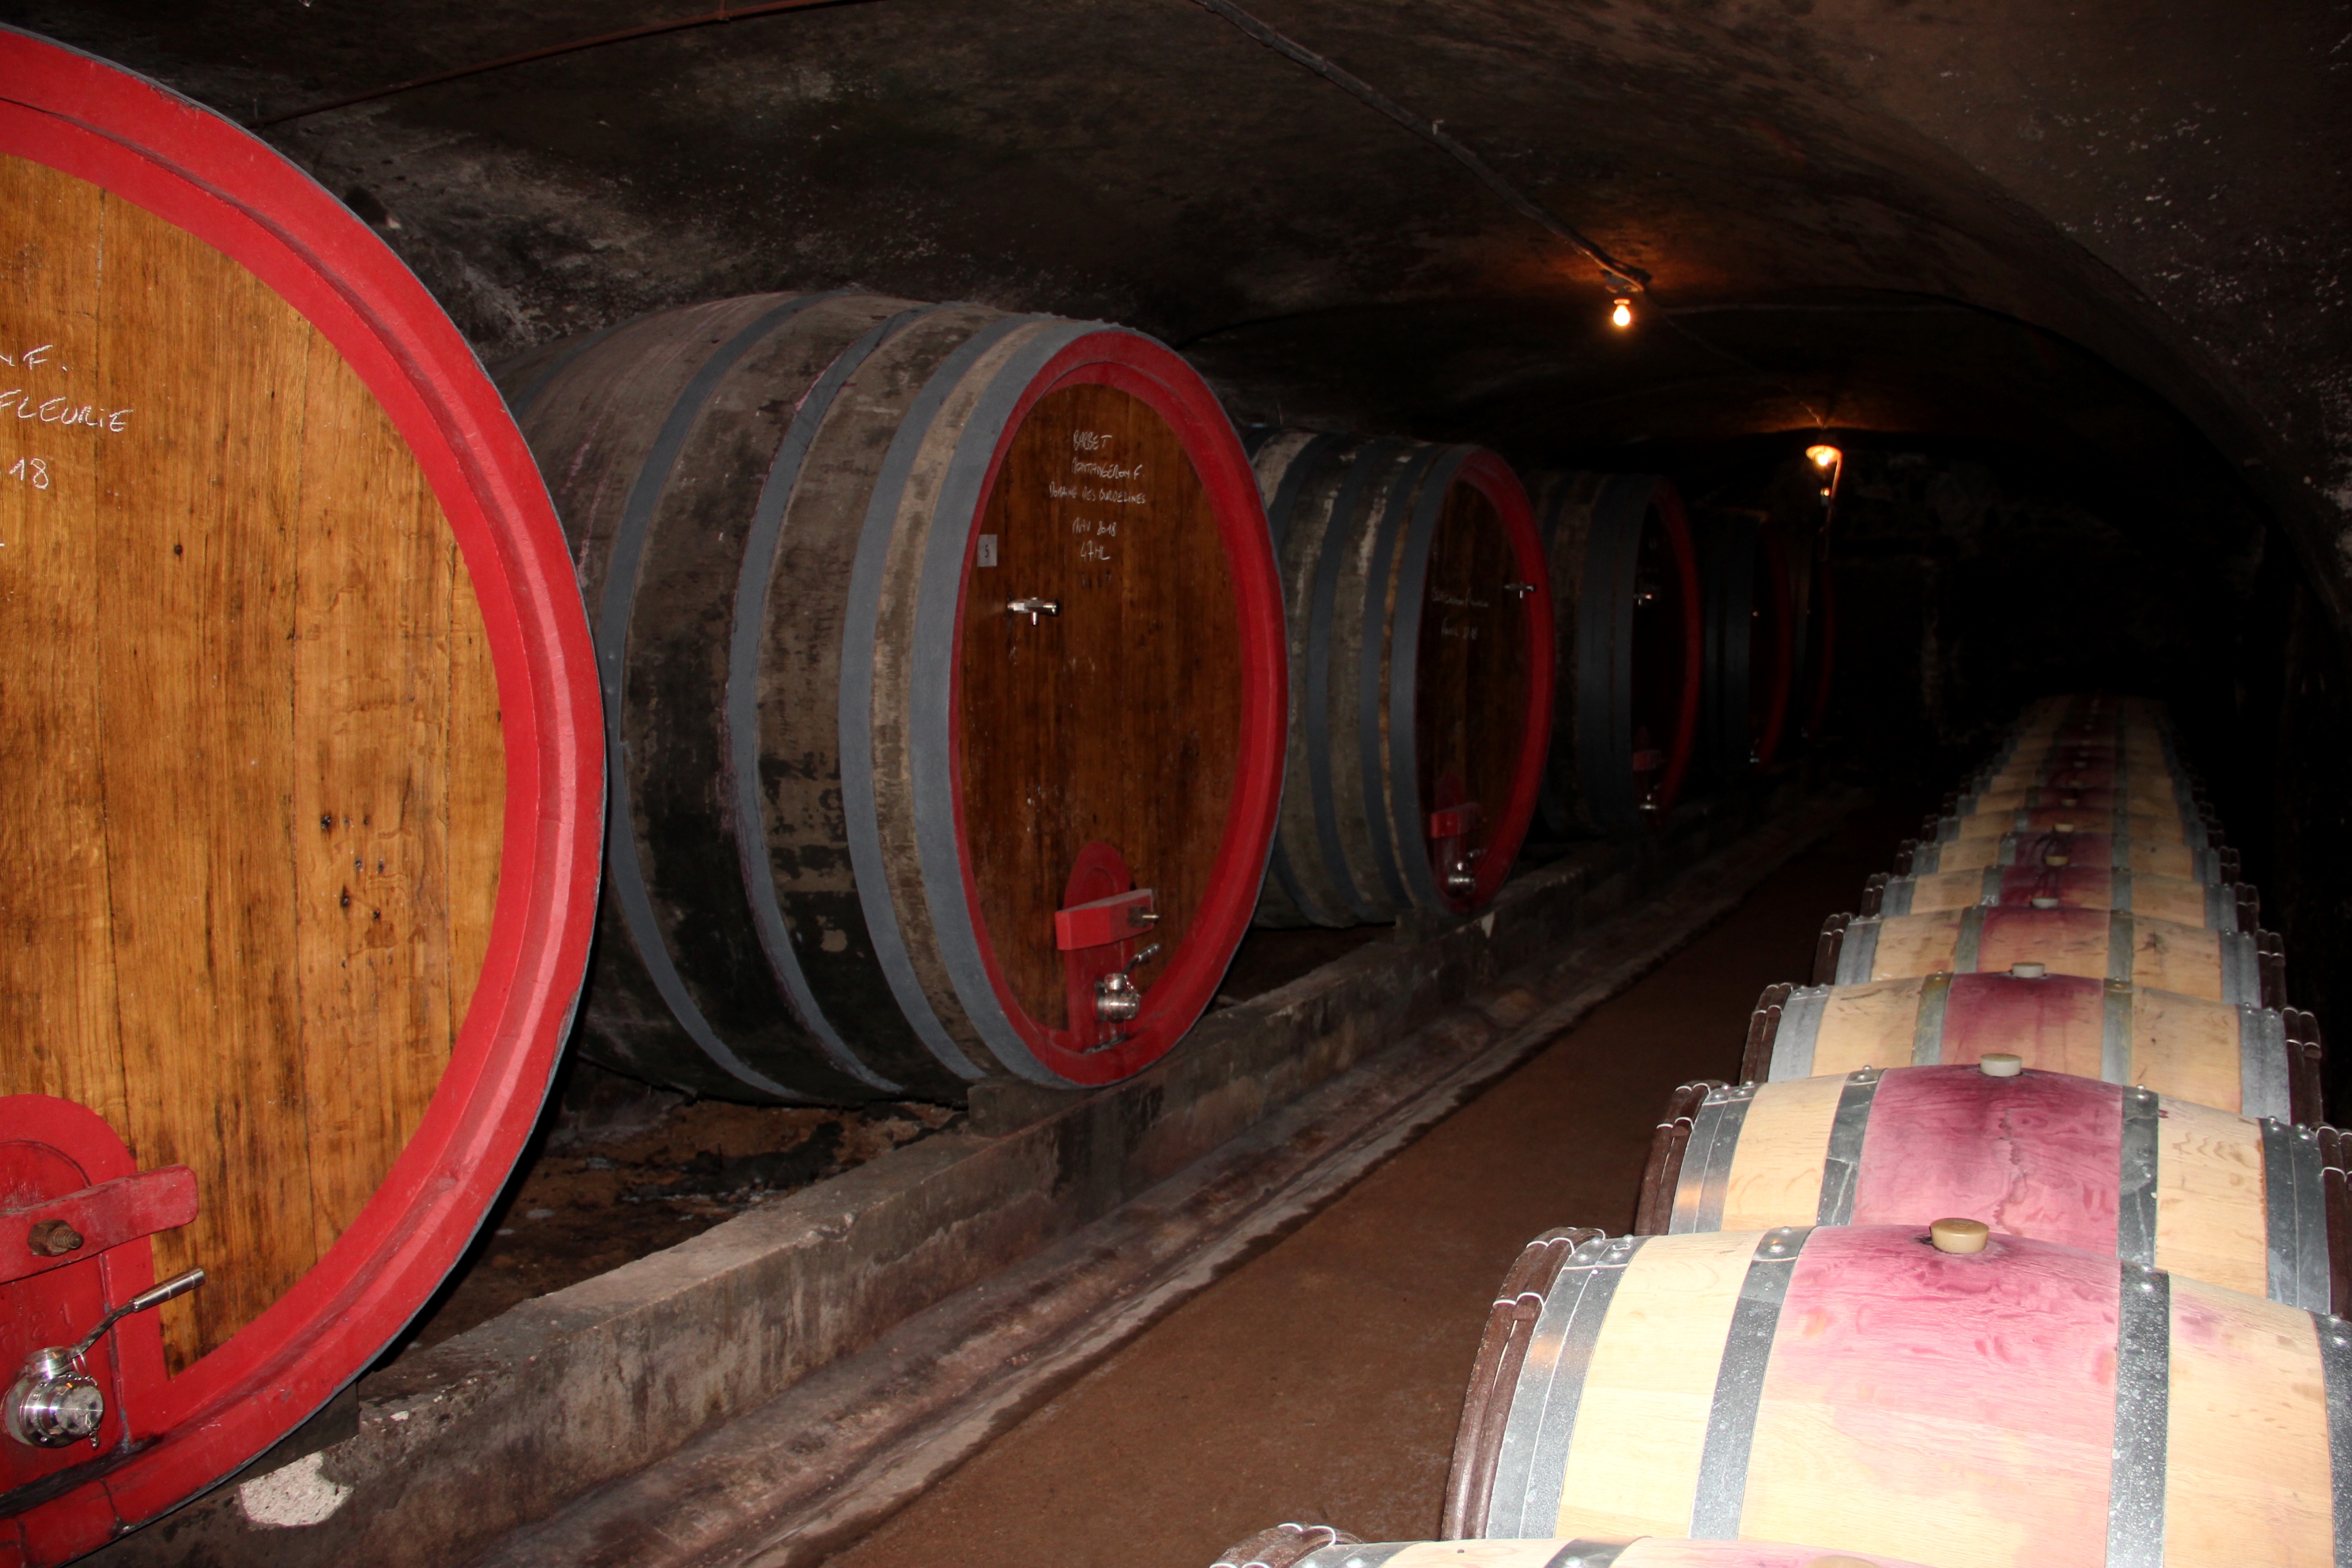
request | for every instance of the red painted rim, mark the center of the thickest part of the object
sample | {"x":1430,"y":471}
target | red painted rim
{"x":1676,"y":523}
{"x":1783,"y":650}
{"x":1491,"y":476}
{"x":197,"y":171}
{"x":1153,"y":373}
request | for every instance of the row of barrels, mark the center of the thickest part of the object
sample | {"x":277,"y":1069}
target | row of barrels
{"x":2007,"y":1252}
{"x":952,"y":688}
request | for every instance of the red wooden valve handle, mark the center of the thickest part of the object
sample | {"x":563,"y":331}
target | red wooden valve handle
{"x":1101,"y":922}
{"x":1454,"y":821}
{"x":75,"y":1226}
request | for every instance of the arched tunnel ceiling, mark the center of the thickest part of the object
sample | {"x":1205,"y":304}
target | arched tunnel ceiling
{"x":1950,"y":215}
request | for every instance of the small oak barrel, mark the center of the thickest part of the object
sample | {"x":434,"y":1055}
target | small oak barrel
{"x":2216,"y":906}
{"x":2221,"y":966}
{"x":2253,"y":1061}
{"x":1420,"y":678}
{"x":2138,"y":857}
{"x":942,"y":661}
{"x":2227,"y":1199}
{"x":2163,"y":821}
{"x":2017,"y":1405}
{"x":1631,"y":652}
{"x":302,"y":757}
{"x":1748,"y":648}
{"x":1320,"y":1546}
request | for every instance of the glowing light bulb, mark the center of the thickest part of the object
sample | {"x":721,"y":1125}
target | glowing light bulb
{"x":1622,"y":315}
{"x":1824,"y":457}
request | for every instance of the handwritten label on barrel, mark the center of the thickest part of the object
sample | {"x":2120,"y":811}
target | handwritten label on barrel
{"x":41,"y":397}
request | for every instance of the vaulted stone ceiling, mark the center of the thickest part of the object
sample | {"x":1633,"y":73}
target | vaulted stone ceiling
{"x":2113,"y":229}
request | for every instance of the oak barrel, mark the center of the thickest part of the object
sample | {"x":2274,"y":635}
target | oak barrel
{"x":2138,"y":857}
{"x":1319,"y":1546}
{"x":1747,"y":647}
{"x":302,"y":756}
{"x":1421,"y":681}
{"x":2227,"y":1199}
{"x":2216,"y":906}
{"x":942,"y":667}
{"x":1630,"y":650}
{"x":2234,"y":967}
{"x":2023,"y":1405}
{"x":2253,"y":1061}
{"x":2100,"y":811}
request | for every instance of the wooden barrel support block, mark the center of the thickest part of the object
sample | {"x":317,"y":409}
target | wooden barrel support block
{"x":2221,"y":966}
{"x":2255,"y":1062}
{"x":1420,"y":677}
{"x":302,"y":767}
{"x":1630,"y":660}
{"x":2027,"y":1404}
{"x":925,"y":630}
{"x":2226,"y":1199}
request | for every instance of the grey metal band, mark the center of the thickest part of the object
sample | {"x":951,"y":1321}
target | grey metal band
{"x":2295,"y":1216}
{"x":1378,"y":651}
{"x":1406,"y":806}
{"x":1304,"y":463}
{"x":2206,"y":864}
{"x":2262,"y":1078}
{"x":1800,"y":1029}
{"x":861,"y":622}
{"x":1927,"y":1027}
{"x":2119,"y":854}
{"x":1969,"y":943}
{"x":1532,"y":1460}
{"x":746,"y":638}
{"x":1739,"y":1385}
{"x":1843,"y":1159}
{"x":2115,"y":1033}
{"x":1707,"y":1159}
{"x":1321,"y":611}
{"x":1894,"y":895}
{"x":625,"y":880}
{"x":1858,"y":951}
{"x":1987,"y":886}
{"x":1301,"y":468}
{"x":2143,"y":1409}
{"x":2220,"y":907}
{"x":2119,"y":890}
{"x":931,"y":705}
{"x":2242,"y":970}
{"x":1926,"y":858}
{"x":2136,"y":1180}
{"x":2335,"y":1368}
{"x":2007,"y":855}
{"x":2119,"y":947}
{"x":1371,"y":1555}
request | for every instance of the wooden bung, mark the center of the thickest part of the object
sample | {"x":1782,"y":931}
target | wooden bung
{"x":2000,"y":1064}
{"x":1959,"y":1236}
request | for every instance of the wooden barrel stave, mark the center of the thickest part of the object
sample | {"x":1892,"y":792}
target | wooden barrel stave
{"x":804,"y":907}
{"x":2253,"y":1061}
{"x":2227,"y":1199}
{"x":349,"y":702}
{"x":1630,"y":660}
{"x":2220,"y":966}
{"x":1397,"y":717}
{"x":1995,"y":1445}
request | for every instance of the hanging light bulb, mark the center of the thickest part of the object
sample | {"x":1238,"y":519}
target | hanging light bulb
{"x":1824,"y":458}
{"x":1622,"y":316}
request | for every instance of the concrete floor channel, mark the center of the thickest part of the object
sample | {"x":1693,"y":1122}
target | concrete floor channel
{"x":940,"y":1356}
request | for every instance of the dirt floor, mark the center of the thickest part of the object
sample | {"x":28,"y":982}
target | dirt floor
{"x":1322,"y":1380}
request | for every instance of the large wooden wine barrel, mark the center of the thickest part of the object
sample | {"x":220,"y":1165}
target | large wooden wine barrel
{"x":1319,"y":1546}
{"x":2229,"y":1200}
{"x":301,"y":754}
{"x":2017,"y":1406}
{"x":1631,"y":652}
{"x":2253,"y":1061}
{"x":2139,"y":857}
{"x":2216,"y":906}
{"x":1816,"y":682}
{"x":1420,"y":678}
{"x":2097,"y":945}
{"x":942,"y":669}
{"x":1747,"y":647}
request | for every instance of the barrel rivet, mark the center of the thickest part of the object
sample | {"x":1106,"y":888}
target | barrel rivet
{"x":1960,"y":1237}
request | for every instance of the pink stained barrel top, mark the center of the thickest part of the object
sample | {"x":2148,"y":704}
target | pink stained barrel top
{"x":2033,"y":1155}
{"x":1897,"y":1338}
{"x":1991,"y":1011}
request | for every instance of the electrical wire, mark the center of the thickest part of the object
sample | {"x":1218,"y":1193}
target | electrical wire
{"x":1621,"y":276}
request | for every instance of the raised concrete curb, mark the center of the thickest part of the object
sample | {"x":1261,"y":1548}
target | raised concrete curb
{"x":457,"y":1446}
